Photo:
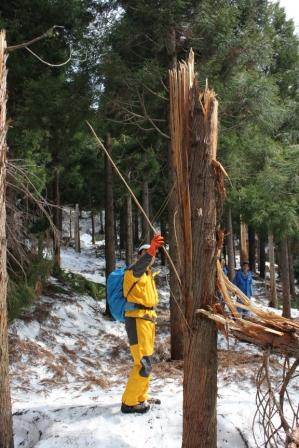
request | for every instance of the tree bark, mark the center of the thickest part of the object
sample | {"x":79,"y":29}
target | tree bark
{"x":199,"y":177}
{"x":273,"y":292}
{"x":6,"y":431}
{"x":200,"y":351}
{"x":70,"y":224}
{"x":243,"y":241}
{"x":262,"y":255}
{"x":57,"y":218}
{"x":93,"y":240}
{"x":136,"y":227}
{"x":145,"y":205}
{"x":77,"y":229}
{"x":129,"y":230}
{"x":102,"y":230}
{"x":291,"y":270}
{"x":175,"y":237}
{"x":109,"y":216}
{"x":122,"y":229}
{"x":251,"y":248}
{"x":285,"y":278}
{"x":164,"y":233}
{"x":230,"y":246}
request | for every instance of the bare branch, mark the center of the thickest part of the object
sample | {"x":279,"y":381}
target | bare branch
{"x":32,"y":41}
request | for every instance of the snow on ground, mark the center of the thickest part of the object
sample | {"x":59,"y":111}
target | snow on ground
{"x":88,"y":263}
{"x":69,"y":366}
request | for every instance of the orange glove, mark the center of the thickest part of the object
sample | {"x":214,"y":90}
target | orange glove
{"x":157,"y":241}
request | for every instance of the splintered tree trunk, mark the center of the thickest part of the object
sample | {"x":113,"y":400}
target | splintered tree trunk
{"x":174,"y":231}
{"x":251,"y":248}
{"x":77,"y":229}
{"x":273,"y":292}
{"x":285,"y":278}
{"x":109,"y":215}
{"x":175,"y":236}
{"x":243,"y":241}
{"x":199,"y":180}
{"x":145,"y":205}
{"x":230,"y":246}
{"x":92,"y":228}
{"x":57,"y":217}
{"x":6,"y":432}
{"x":200,"y":364}
{"x":129,"y":230}
{"x":262,"y":255}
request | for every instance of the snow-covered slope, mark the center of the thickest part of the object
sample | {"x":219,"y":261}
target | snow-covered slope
{"x":69,"y":366}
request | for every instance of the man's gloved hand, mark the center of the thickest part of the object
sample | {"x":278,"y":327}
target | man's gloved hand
{"x":157,"y":241}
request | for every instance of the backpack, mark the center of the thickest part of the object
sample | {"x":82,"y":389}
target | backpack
{"x":115,"y":295}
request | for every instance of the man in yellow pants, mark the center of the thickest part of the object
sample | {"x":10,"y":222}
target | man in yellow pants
{"x":142,"y":296}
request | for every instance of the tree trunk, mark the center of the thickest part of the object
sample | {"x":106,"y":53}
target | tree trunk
{"x":243,"y":241}
{"x":273,"y":293}
{"x":70,"y":224}
{"x":251,"y":248}
{"x":102,"y":230}
{"x":200,"y":360}
{"x":122,"y":230}
{"x":164,"y":233}
{"x":136,"y":227}
{"x":145,"y":205}
{"x":57,"y":218}
{"x":194,"y":141}
{"x":109,"y":216}
{"x":93,"y":240}
{"x":176,"y":323}
{"x":175,"y":237}
{"x":77,"y":229}
{"x":291,"y":270}
{"x":224,"y":252}
{"x":6,"y":431}
{"x":230,"y":246}
{"x":262,"y":255}
{"x":129,"y":230}
{"x":285,"y":278}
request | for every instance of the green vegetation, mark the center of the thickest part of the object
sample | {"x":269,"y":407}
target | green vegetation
{"x":23,"y":290}
{"x":81,"y":285}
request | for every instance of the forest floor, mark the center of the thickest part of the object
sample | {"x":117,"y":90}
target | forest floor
{"x":69,"y":366}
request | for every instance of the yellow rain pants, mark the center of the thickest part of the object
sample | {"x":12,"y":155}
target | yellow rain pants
{"x":141,"y":334}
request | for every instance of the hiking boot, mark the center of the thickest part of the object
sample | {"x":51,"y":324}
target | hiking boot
{"x":140,"y":408}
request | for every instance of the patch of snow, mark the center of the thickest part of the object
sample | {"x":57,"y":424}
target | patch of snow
{"x":26,"y":330}
{"x":84,"y":263}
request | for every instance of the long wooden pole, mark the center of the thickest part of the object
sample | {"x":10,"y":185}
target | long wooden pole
{"x":133,"y":196}
{"x":143,"y":213}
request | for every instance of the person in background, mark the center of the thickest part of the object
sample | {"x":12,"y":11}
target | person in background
{"x":243,"y":280}
{"x":142,"y":297}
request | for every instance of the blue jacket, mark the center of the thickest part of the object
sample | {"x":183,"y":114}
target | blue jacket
{"x":244,"y":282}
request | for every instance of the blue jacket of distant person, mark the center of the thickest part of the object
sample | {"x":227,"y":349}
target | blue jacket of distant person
{"x":244,"y":282}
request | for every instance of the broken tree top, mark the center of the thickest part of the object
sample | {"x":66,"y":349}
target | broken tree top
{"x":264,"y":328}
